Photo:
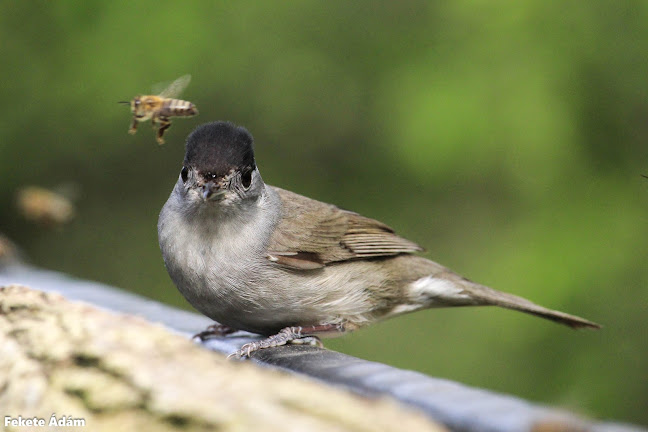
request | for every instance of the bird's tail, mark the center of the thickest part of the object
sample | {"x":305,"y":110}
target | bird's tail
{"x":488,"y":296}
{"x":445,"y":288}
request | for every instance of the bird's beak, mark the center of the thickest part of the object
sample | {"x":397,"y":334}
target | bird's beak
{"x":211,"y":192}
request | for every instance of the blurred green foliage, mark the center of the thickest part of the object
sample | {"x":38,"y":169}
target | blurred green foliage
{"x":508,"y":138}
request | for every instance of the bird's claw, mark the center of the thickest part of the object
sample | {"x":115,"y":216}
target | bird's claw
{"x":214,"y":330}
{"x":291,"y":335}
{"x":245,"y":351}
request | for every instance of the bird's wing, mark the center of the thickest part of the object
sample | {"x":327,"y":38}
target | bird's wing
{"x":312,"y":234}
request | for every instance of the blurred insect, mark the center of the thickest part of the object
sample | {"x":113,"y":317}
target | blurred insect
{"x":44,"y":207}
{"x":159,"y":109}
{"x":8,"y":251}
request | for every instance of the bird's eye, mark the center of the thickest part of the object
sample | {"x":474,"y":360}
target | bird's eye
{"x":246,"y":179}
{"x":210,"y":176}
{"x":184,"y":174}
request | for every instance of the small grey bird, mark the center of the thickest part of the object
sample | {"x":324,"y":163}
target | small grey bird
{"x":262,"y":259}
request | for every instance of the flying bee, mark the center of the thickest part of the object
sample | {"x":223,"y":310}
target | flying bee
{"x":159,"y":109}
{"x":44,"y":207}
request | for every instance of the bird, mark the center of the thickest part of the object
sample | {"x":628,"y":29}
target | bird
{"x":262,"y":259}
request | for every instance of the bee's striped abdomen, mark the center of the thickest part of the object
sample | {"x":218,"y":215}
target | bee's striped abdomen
{"x":178,"y":108}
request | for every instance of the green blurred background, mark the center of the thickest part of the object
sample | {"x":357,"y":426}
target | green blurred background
{"x":508,"y":138}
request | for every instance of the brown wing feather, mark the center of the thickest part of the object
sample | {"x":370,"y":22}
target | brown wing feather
{"x":367,"y":237}
{"x":312,"y":234}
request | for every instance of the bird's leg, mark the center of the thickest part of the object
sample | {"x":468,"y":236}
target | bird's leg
{"x":295,"y":335}
{"x":214,"y":330}
{"x":133,"y":127}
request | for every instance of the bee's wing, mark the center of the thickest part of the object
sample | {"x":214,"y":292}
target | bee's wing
{"x":175,"y":88}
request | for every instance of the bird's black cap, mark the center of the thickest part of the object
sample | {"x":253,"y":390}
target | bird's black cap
{"x":219,"y":147}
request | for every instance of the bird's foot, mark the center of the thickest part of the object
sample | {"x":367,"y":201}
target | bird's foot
{"x":293,"y":335}
{"x":214,"y":330}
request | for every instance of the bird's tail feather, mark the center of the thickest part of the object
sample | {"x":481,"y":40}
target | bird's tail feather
{"x":489,"y":296}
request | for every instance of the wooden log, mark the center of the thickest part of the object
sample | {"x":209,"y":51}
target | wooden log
{"x":119,"y":372}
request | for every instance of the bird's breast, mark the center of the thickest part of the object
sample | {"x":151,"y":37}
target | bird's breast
{"x":219,"y":265}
